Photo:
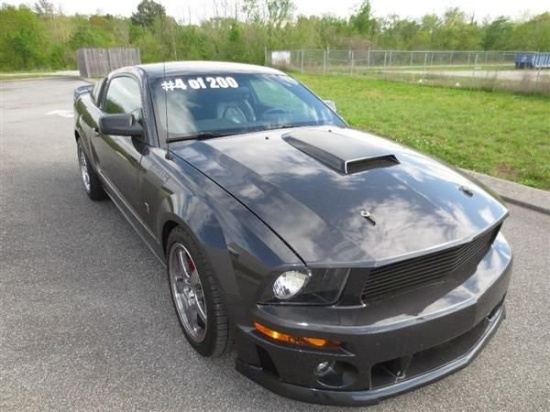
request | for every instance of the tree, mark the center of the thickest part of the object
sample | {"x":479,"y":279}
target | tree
{"x":498,"y":35}
{"x":533,"y":34}
{"x":85,"y":36}
{"x":431,"y":24}
{"x":269,"y":18}
{"x":273,"y":13}
{"x":147,"y":12}
{"x":44,"y":8}
{"x":457,"y":33}
{"x":362,"y":21}
{"x":21,"y":39}
{"x":279,"y":12}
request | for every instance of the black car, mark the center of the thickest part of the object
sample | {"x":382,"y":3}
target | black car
{"x":344,"y":267}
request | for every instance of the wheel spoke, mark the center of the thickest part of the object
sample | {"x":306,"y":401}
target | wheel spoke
{"x":184,"y":268}
{"x":199,"y":294}
{"x":180,"y":285}
{"x":84,"y":169}
{"x":201,"y":312}
{"x":192,"y":313}
{"x":194,"y":278}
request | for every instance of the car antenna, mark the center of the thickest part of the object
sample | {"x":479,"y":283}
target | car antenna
{"x":167,"y":156}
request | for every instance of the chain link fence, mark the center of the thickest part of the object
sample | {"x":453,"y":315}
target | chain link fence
{"x":339,"y":61}
{"x":476,"y":69}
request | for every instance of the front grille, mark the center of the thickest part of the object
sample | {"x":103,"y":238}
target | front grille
{"x":413,"y":273}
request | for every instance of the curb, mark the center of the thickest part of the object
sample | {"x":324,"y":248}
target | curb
{"x":527,"y":197}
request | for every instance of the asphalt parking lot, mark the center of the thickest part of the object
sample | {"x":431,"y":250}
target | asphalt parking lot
{"x":86,"y":317}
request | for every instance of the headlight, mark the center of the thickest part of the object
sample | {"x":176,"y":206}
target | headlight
{"x":289,"y":284}
{"x":303,"y":287}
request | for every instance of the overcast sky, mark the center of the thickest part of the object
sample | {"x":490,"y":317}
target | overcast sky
{"x":182,"y":10}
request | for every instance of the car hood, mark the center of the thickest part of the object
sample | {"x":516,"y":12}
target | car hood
{"x":343,"y":197}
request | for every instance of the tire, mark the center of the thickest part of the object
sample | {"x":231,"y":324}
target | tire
{"x":90,"y":180}
{"x":196,"y":295}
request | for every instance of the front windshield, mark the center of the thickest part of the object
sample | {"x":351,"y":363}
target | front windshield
{"x":191,"y":106}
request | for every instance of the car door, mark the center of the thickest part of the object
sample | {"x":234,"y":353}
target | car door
{"x":119,"y":157}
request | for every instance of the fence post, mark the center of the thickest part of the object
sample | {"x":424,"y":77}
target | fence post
{"x":425,"y":61}
{"x":302,"y":60}
{"x":385,"y":58}
{"x":368,"y":58}
{"x":451,"y":58}
{"x":352,"y":56}
{"x":324,"y":62}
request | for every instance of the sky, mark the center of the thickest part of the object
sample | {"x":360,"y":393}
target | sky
{"x":195,"y":10}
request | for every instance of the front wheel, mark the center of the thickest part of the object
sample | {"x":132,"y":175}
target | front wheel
{"x":90,"y":180}
{"x":196,"y":295}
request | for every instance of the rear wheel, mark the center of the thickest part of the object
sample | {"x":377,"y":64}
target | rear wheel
{"x":90,"y":180}
{"x":196,"y":295}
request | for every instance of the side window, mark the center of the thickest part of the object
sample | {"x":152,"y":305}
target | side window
{"x":123,"y":96}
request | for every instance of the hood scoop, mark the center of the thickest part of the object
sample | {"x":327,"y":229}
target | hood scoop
{"x":344,"y":154}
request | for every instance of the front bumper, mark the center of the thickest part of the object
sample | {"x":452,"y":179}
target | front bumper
{"x":387,"y":348}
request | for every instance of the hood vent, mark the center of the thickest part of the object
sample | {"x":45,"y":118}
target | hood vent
{"x":368,"y":163}
{"x":344,"y":154}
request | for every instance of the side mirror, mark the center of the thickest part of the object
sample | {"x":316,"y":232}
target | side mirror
{"x":331,"y":105}
{"x":120,"y":125}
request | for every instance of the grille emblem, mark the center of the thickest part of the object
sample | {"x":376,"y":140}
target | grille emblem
{"x":368,"y":215}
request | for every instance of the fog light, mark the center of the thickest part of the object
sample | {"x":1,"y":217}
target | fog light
{"x":335,"y":374}
{"x":323,"y":368}
{"x":289,"y":284}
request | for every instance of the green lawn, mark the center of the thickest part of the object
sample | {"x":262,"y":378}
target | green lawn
{"x":18,"y":76}
{"x":498,"y":133}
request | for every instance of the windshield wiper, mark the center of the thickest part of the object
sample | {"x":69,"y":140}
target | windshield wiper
{"x":197,"y":136}
{"x":285,"y":126}
{"x":289,"y":126}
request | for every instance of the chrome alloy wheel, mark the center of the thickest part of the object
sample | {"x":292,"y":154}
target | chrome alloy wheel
{"x":188,"y":292}
{"x":84,"y":169}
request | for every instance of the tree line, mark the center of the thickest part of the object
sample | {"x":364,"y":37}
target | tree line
{"x":41,"y":36}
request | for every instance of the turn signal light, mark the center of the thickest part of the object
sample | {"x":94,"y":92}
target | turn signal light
{"x":296,"y":340}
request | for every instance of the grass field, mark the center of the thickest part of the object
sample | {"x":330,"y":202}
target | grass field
{"x":25,"y":76}
{"x":498,"y":133}
{"x":18,"y":77}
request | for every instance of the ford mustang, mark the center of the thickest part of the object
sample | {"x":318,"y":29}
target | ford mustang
{"x":344,"y":267}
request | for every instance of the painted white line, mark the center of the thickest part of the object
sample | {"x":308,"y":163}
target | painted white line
{"x":62,"y":113}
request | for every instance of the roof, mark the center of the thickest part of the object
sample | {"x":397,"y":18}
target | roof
{"x":155,"y":70}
